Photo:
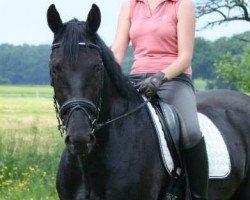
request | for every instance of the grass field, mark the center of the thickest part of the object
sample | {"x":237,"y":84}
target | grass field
{"x":25,"y":91}
{"x":30,"y":145}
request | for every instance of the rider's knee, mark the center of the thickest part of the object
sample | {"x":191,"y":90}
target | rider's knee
{"x":191,"y":134}
{"x":191,"y":137}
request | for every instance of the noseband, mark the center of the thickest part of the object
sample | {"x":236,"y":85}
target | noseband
{"x":88,"y":107}
{"x":83,"y":104}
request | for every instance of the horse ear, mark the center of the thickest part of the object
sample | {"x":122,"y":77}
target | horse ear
{"x":54,"y":19}
{"x":94,"y":19}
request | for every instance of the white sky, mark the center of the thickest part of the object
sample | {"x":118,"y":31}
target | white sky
{"x":24,"y":21}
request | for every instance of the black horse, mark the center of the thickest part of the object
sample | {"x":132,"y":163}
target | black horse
{"x":120,"y":160}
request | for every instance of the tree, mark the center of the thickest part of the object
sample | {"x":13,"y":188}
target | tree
{"x":226,"y":10}
{"x":231,"y":67}
{"x":234,"y":69}
{"x":202,"y":63}
{"x":24,"y":64}
{"x":207,"y":52}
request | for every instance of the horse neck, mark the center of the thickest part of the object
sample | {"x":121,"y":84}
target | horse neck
{"x":113,"y":103}
{"x":122,"y":144}
{"x":131,"y":128}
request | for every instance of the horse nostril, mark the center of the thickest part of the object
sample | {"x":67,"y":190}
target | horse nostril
{"x":79,"y":146}
{"x":92,"y":139}
{"x":67,"y":140}
{"x":91,"y":142}
{"x":69,"y":144}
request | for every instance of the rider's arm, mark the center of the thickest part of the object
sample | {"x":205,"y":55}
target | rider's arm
{"x":121,"y":41}
{"x":186,"y":35}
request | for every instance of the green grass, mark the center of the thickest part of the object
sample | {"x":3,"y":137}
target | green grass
{"x":30,"y":145}
{"x":25,"y":91}
{"x":28,"y":163}
{"x":18,"y":113}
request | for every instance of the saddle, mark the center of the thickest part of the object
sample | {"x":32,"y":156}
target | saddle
{"x":168,"y":128}
{"x":172,"y":132}
{"x":171,"y":129}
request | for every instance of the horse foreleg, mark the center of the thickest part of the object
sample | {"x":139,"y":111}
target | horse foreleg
{"x":70,"y":184}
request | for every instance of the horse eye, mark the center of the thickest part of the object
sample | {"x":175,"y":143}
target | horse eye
{"x":55,"y":69}
{"x":52,"y":70}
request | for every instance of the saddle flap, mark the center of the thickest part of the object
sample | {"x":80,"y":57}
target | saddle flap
{"x":172,"y":122}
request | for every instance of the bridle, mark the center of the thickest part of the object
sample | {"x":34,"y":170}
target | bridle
{"x":90,"y":108}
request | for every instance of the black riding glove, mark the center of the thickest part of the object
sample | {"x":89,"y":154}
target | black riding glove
{"x":150,"y":85}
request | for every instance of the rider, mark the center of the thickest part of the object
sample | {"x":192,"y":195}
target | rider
{"x":162,"y":35}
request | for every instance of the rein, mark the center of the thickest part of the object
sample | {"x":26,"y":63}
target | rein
{"x":101,"y":125}
{"x":88,"y":107}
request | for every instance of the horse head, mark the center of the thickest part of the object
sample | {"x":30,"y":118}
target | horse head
{"x":76,"y":74}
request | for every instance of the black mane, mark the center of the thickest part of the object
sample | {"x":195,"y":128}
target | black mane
{"x":114,"y":71}
{"x":74,"y":32}
{"x":70,"y":35}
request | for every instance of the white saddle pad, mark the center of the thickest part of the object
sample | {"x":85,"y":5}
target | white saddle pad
{"x":218,"y":156}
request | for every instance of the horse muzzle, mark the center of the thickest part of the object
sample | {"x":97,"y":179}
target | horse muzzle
{"x":81,"y":115}
{"x":80,"y":146}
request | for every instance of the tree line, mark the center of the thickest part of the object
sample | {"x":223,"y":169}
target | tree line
{"x":28,"y":64}
{"x":24,"y":64}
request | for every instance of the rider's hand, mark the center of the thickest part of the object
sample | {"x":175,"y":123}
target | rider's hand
{"x":150,"y":85}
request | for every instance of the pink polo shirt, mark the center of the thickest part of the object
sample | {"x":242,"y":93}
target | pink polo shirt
{"x":154,"y":36}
